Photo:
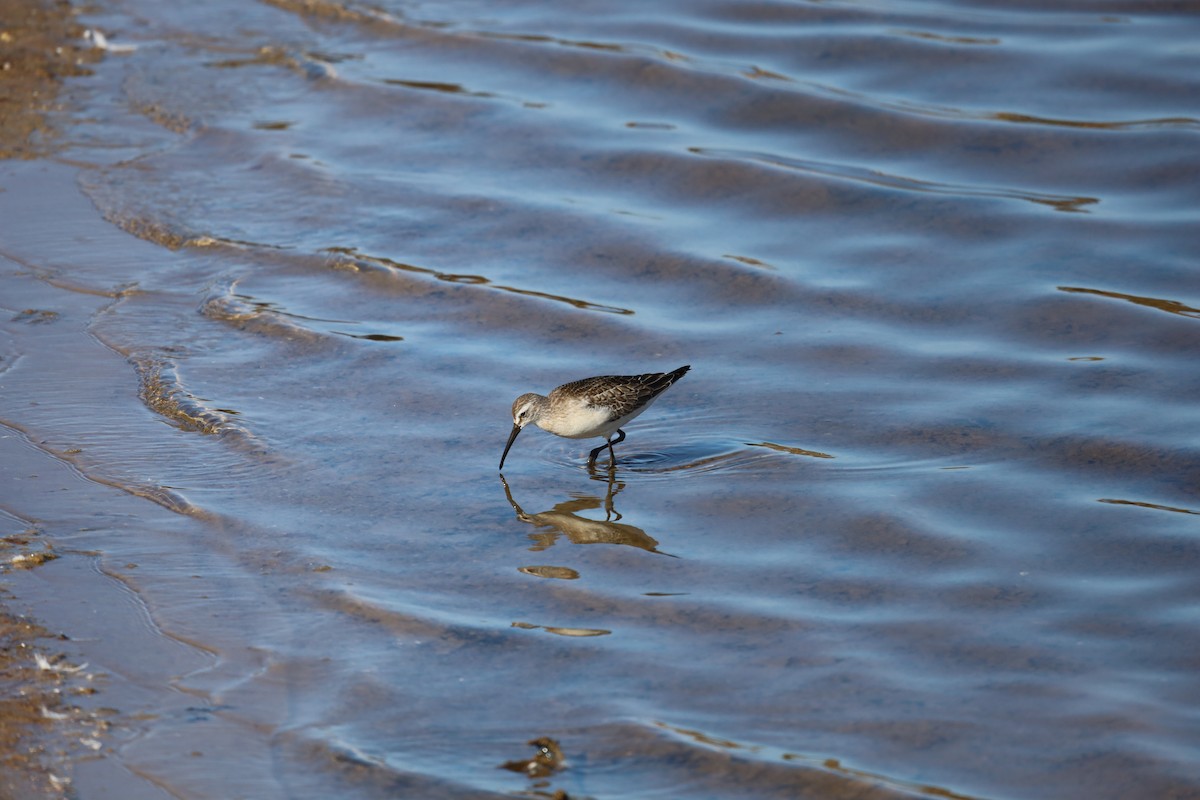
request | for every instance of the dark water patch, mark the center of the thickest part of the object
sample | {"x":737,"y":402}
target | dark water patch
{"x":894,"y":538}
{"x":1089,"y":322}
{"x":1120,"y":458}
{"x":948,"y":439}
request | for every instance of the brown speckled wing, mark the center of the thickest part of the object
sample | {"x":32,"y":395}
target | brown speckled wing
{"x":621,"y":393}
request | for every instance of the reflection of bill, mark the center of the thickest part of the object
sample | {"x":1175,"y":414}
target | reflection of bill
{"x":563,"y":519}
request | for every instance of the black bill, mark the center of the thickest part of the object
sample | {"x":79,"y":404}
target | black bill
{"x":512,"y":437}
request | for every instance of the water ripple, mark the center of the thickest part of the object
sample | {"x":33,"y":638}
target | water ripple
{"x":879,"y":178}
{"x":354,"y":257}
{"x":245,"y":313}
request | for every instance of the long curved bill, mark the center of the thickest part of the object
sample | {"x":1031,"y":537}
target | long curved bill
{"x":512,"y":437}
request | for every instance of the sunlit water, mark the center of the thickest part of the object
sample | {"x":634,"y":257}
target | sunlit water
{"x":923,"y":517}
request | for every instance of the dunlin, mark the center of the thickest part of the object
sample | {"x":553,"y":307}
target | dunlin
{"x":591,"y":407}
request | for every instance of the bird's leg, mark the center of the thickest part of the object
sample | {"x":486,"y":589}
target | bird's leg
{"x":612,"y":457}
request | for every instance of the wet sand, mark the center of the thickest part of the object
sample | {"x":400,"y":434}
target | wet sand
{"x":50,"y":716}
{"x":27,"y":693}
{"x":38,"y":43}
{"x":41,"y":43}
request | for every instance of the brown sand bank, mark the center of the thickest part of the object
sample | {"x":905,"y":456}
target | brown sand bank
{"x":27,"y":703}
{"x":40,"y":44}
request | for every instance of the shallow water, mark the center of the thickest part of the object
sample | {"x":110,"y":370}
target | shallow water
{"x":921,"y":520}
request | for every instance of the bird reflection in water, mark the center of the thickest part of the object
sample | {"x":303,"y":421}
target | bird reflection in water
{"x":564,"y":520}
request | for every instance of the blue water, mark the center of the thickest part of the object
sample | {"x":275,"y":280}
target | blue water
{"x":921,"y":520}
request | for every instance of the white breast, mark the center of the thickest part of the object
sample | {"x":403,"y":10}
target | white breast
{"x":575,"y":419}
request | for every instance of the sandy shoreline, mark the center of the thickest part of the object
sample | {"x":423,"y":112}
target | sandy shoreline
{"x":27,"y":693}
{"x":40,"y":44}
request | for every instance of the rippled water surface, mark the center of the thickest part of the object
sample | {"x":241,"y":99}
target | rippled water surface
{"x":922,"y":520}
